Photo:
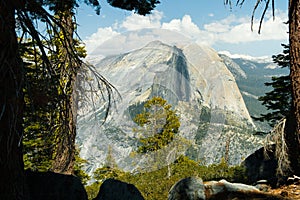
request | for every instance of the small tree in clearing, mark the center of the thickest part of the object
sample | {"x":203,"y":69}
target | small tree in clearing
{"x":159,"y":125}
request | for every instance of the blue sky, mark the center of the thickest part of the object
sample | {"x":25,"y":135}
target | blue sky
{"x":207,"y":22}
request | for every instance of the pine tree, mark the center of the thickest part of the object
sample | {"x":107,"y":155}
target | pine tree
{"x":292,"y":126}
{"x":37,"y":95}
{"x":159,"y":125}
{"x":66,"y":68}
{"x":45,"y":104}
{"x":278,"y":100}
{"x":110,"y":168}
{"x":78,"y":168}
{"x":21,"y":17}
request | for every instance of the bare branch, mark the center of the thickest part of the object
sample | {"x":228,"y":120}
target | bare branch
{"x":253,"y":13}
{"x":91,"y":84}
{"x":258,"y":2}
{"x":238,"y":2}
{"x":263,"y":16}
{"x":273,"y":9}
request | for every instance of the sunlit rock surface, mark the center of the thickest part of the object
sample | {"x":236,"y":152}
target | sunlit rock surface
{"x":215,"y":122}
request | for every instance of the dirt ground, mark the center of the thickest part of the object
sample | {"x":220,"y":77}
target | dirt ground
{"x":291,"y":191}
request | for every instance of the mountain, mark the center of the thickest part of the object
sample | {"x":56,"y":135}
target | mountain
{"x":215,"y":122}
{"x":251,"y":74}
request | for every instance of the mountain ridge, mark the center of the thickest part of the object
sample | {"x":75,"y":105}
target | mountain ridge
{"x":198,"y":85}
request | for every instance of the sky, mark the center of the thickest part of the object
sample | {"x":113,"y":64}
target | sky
{"x":206,"y":22}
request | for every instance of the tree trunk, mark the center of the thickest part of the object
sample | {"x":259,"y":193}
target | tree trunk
{"x":65,"y":153}
{"x":293,"y":133}
{"x":11,"y":107}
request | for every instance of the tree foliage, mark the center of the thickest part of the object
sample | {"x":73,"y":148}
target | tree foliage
{"x":279,"y":99}
{"x":38,"y":112}
{"x":78,"y":168}
{"x":141,"y":7}
{"x":22,"y":19}
{"x":48,"y":89}
{"x":45,"y":118}
{"x":42,"y":120}
{"x":160,"y":125}
{"x":109,"y":170}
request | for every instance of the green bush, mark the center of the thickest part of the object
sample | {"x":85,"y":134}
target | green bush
{"x":155,"y":185}
{"x":92,"y":190}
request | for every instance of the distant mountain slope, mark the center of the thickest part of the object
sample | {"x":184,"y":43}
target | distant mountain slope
{"x":250,"y":75}
{"x":215,"y":122}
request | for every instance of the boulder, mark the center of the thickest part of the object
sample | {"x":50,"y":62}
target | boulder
{"x":112,"y":189}
{"x":54,"y":186}
{"x":261,"y":165}
{"x":190,"y":188}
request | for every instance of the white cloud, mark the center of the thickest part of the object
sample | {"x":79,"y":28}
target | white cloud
{"x":136,"y":22}
{"x":189,"y":29}
{"x":99,"y":37}
{"x":131,"y":40}
{"x":247,"y":57}
{"x":234,"y":30}
{"x":225,"y":24}
{"x":185,"y":26}
{"x":132,"y":22}
{"x":217,"y":27}
{"x":230,"y":30}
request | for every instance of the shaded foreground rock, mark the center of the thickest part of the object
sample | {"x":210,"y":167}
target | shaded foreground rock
{"x":262,"y":165}
{"x":194,"y":189}
{"x":54,"y":186}
{"x":112,"y":189}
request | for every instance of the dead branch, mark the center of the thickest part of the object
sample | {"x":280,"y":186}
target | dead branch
{"x":281,"y":151}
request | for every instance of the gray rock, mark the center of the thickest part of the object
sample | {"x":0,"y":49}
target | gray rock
{"x":112,"y":189}
{"x":261,"y":165}
{"x":188,"y":189}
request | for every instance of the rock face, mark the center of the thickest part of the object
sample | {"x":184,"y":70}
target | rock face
{"x":53,"y":186}
{"x":195,"y":81}
{"x":112,"y":189}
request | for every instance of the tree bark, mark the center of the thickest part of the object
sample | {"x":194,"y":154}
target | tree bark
{"x":293,"y":132}
{"x":65,"y":153}
{"x":12,"y":185}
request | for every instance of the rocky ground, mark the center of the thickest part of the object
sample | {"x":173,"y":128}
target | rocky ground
{"x":223,"y":190}
{"x":291,"y":191}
